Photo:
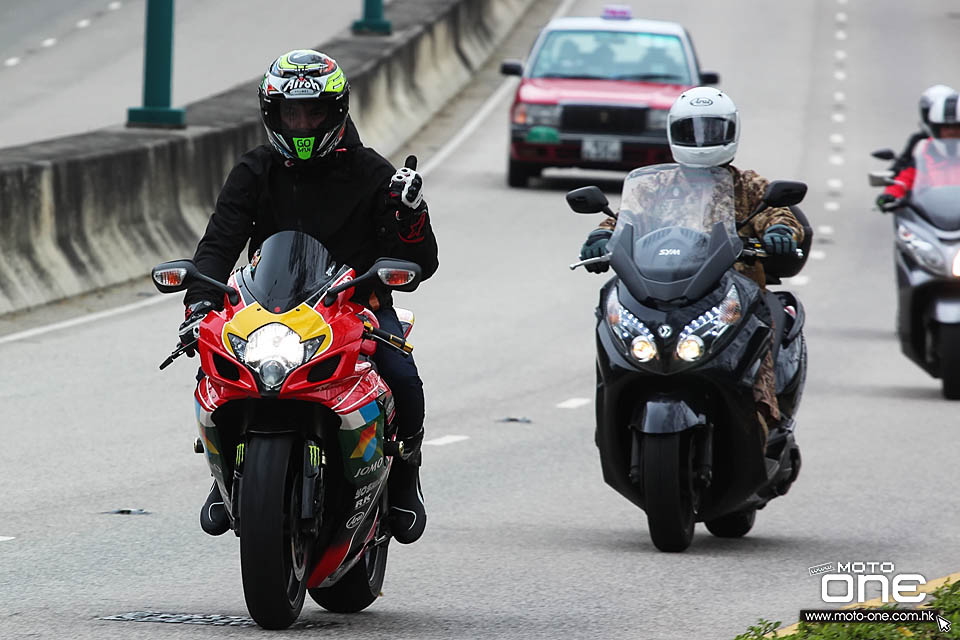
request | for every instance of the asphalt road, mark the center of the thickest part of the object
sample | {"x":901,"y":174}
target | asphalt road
{"x":70,"y":66}
{"x":524,"y":539}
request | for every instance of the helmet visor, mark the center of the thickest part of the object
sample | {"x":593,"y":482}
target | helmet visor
{"x":703,"y":131}
{"x":303,"y":115}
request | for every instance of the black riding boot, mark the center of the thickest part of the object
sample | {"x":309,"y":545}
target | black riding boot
{"x":408,"y":518}
{"x":213,"y":515}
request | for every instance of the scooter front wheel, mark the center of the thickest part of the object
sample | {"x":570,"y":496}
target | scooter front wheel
{"x":950,"y":360}
{"x":669,"y":494}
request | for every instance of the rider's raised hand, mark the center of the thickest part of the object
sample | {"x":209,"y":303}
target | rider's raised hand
{"x":190,"y":327}
{"x":594,"y":247}
{"x":778,"y":240}
{"x":406,"y":189}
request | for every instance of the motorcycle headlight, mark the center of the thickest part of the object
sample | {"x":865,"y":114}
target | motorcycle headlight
{"x":657,"y":120}
{"x":700,"y":334}
{"x":545,"y":115}
{"x":633,"y":336}
{"x":926,"y":253}
{"x":273,"y":351}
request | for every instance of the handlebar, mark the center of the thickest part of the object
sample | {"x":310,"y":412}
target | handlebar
{"x":384,"y":337}
{"x":605,"y":258}
{"x":179,"y":351}
{"x":753,"y":248}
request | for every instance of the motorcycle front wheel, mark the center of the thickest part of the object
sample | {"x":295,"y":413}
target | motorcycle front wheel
{"x":274,"y":553}
{"x":670,"y":497}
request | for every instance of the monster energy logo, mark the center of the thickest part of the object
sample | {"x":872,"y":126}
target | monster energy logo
{"x":314,"y":455}
{"x":241,"y":448}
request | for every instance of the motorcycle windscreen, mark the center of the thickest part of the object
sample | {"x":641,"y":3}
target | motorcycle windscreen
{"x":936,"y":187}
{"x":673,"y":210}
{"x":291,"y":266}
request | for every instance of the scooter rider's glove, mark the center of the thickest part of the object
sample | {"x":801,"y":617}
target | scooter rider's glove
{"x":885,"y":199}
{"x":594,"y":247}
{"x":778,"y":240}
{"x":189,"y":330}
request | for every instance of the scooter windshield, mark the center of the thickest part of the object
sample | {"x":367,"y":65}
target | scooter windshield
{"x":288,"y":269}
{"x":936,"y":187}
{"x":673,"y":211}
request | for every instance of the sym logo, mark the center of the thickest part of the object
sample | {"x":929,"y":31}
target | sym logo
{"x":356,"y":519}
{"x":669,"y":252}
{"x":701,"y":102}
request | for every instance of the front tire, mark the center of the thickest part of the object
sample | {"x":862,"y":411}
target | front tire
{"x":732,"y":525}
{"x":359,"y":587}
{"x":274,"y":553}
{"x":950,"y":360}
{"x":669,"y":495}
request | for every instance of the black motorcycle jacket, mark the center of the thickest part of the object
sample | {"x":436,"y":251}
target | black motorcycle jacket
{"x":340,"y":200}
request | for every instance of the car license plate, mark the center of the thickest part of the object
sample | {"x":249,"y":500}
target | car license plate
{"x":601,"y":150}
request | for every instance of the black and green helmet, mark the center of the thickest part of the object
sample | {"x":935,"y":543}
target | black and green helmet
{"x":304,"y":100}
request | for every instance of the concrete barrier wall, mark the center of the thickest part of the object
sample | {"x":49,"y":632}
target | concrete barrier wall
{"x":88,"y":211}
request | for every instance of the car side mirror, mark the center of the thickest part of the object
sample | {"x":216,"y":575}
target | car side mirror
{"x":784,"y":193}
{"x":709,"y":77}
{"x":511,"y":68}
{"x":884,"y":154}
{"x":589,"y":200}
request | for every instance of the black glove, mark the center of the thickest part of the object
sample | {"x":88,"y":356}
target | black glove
{"x":190,"y":328}
{"x":594,"y":247}
{"x":778,"y":240}
{"x":884,"y":199}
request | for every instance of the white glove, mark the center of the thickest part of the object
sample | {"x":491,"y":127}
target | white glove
{"x":406,"y":187}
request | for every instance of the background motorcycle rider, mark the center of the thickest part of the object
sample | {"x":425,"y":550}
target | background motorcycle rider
{"x":927,"y":98}
{"x":943,"y":127}
{"x":317,"y":177}
{"x":703,"y":129}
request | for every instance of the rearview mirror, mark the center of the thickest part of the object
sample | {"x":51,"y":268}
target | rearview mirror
{"x":784,"y":193}
{"x":884,"y":154}
{"x":511,"y":68}
{"x":401,"y":275}
{"x":709,"y":77}
{"x":589,"y":200}
{"x":176,"y":275}
{"x":881,"y":178}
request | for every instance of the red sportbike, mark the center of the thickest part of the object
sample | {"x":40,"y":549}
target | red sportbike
{"x":296,"y":424}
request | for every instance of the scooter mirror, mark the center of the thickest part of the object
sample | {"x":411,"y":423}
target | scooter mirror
{"x":881,"y":178}
{"x":784,"y":193}
{"x":884,"y":154}
{"x":588,"y":200}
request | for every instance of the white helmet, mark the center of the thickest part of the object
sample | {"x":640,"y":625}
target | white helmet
{"x":927,"y":98}
{"x":703,"y":128}
{"x":945,"y":110}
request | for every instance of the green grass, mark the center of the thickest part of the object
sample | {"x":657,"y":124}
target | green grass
{"x":946,"y":599}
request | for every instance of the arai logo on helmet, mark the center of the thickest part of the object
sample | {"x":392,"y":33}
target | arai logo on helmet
{"x":301,"y":85}
{"x":701,"y":102}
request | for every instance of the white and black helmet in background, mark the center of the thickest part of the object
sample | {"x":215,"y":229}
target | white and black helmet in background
{"x":927,"y":98}
{"x":944,"y":123}
{"x":703,"y":128}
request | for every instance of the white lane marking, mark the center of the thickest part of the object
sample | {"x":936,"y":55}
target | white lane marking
{"x":840,"y":74}
{"x":49,"y":42}
{"x":840,"y":34}
{"x":573,"y":403}
{"x":439,"y":442}
{"x":11,"y":62}
{"x":836,"y":159}
{"x":818,"y":254}
{"x":826,"y":230}
{"x":832,"y":206}
{"x":486,"y":108}
{"x":5,"y":538}
{"x":113,"y":6}
{"x":836,"y":138}
{"x":840,"y":55}
{"x":796,"y":281}
{"x":835,"y":184}
{"x":839,"y":96}
{"x":92,"y":317}
{"x":841,"y":17}
{"x":83,"y":24}
{"x":838,"y":117}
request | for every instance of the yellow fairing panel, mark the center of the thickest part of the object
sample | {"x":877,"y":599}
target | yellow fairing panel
{"x":305,"y":321}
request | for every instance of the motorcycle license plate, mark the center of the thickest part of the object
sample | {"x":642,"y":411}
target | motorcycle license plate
{"x":601,"y":150}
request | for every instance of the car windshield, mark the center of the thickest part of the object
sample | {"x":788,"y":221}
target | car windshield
{"x":936,"y":187}
{"x":612,"y":55}
{"x":289,"y":267}
{"x":673,"y":211}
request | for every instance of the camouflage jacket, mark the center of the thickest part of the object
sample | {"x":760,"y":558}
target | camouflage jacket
{"x":749,"y":188}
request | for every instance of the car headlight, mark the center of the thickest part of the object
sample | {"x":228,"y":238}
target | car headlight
{"x":632,"y":334}
{"x":657,"y":119}
{"x":700,"y":334}
{"x":926,"y":253}
{"x":533,"y":115}
{"x":273,"y":351}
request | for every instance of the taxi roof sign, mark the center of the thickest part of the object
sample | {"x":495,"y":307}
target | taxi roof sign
{"x":617,"y":12}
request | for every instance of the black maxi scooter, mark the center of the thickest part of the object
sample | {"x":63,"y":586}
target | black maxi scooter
{"x":680,"y":339}
{"x":926,"y":226}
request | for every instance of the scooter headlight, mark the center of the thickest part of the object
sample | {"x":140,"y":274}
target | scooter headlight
{"x":925,"y":253}
{"x":273,"y":351}
{"x":699,"y":335}
{"x":632,"y":334}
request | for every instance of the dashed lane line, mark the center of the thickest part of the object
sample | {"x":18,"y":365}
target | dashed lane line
{"x":573,"y":403}
{"x":6,"y":538}
{"x":444,"y":440}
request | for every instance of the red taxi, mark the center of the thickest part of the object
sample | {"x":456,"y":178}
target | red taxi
{"x":595,"y":94}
